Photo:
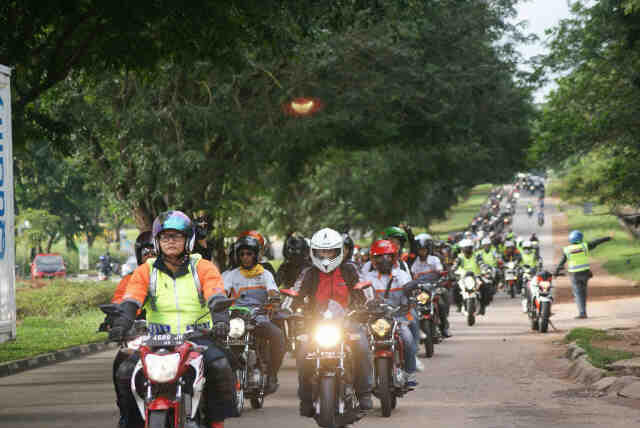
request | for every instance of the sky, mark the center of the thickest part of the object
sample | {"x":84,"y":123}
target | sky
{"x":541,"y":15}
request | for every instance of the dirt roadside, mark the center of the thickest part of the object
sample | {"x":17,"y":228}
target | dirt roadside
{"x":602,"y":287}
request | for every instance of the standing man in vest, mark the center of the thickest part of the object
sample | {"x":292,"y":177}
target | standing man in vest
{"x":577,"y":255}
{"x":176,"y":289}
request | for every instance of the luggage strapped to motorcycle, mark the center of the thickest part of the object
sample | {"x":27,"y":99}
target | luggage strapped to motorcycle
{"x":153,"y":284}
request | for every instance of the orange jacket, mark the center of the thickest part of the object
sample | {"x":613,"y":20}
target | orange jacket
{"x":210,"y":279}
{"x":120,"y":289}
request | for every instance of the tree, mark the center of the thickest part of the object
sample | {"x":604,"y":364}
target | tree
{"x":43,"y":227}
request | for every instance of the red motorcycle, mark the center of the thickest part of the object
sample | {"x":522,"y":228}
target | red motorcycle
{"x":168,"y":380}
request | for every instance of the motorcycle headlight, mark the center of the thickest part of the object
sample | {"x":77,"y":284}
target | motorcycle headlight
{"x":162,"y":368}
{"x":544,"y":286}
{"x":469,"y":283}
{"x":236,"y":328}
{"x":327,"y":336}
{"x":423,"y":298}
{"x":381,"y":326}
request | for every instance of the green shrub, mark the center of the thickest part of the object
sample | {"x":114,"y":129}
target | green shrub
{"x":599,"y":357}
{"x":63,"y":298}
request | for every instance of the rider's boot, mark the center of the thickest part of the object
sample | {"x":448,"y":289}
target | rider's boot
{"x":272,"y":384}
{"x":482,"y":309}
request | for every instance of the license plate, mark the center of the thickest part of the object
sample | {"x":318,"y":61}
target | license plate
{"x":164,"y":340}
{"x":510,"y":277}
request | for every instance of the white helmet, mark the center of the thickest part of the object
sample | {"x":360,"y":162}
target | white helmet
{"x":465,"y":243}
{"x":326,"y":239}
{"x":486,"y":241}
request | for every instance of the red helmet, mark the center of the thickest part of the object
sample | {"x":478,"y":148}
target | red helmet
{"x":254,"y":234}
{"x":383,"y":247}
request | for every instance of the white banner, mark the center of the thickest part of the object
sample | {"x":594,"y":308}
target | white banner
{"x":83,"y":255}
{"x":7,"y":246}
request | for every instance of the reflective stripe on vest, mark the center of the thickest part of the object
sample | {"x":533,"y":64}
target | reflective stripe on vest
{"x":577,"y":257}
{"x":173,"y":304}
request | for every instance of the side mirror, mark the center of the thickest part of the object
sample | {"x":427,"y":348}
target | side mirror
{"x":219,"y":305}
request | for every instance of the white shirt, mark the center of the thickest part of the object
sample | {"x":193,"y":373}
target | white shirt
{"x":379,"y":282}
{"x":431,"y":264}
{"x":248,"y":291}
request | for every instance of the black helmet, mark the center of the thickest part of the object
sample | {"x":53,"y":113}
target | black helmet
{"x":295,"y":246}
{"x":347,"y":242}
{"x":249,"y":243}
{"x":144,"y":240}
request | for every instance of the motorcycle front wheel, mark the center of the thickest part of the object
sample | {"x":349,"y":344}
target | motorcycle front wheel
{"x":512,"y":291}
{"x":238,"y":395}
{"x":328,"y":402}
{"x":158,"y":419}
{"x":428,"y":328}
{"x":471,"y":311}
{"x":383,"y":374}
{"x":545,"y":312}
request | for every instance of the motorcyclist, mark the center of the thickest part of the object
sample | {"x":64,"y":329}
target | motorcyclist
{"x":577,"y":254}
{"x":202,"y":246}
{"x":429,"y":266}
{"x":144,"y":251}
{"x":529,"y":209}
{"x":489,"y":256}
{"x":176,"y":279}
{"x":511,"y":253}
{"x":467,"y":262}
{"x":399,"y":237}
{"x":531,"y":259}
{"x":328,"y":279}
{"x":348,"y":249}
{"x":251,"y":285}
{"x":235,"y":261}
{"x":296,"y":258}
{"x":388,"y":281}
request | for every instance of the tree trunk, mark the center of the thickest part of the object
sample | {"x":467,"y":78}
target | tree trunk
{"x":143,"y":218}
{"x":90,"y":239}
{"x":50,"y":242}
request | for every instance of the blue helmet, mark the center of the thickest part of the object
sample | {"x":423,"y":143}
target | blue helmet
{"x":575,"y":237}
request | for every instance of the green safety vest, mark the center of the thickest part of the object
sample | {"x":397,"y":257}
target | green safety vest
{"x":489,"y":257}
{"x":469,"y":264}
{"x":172,"y":304}
{"x":529,"y":259}
{"x":577,"y":257}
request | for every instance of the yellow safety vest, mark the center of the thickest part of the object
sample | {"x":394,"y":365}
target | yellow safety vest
{"x":469,"y":264}
{"x":529,"y":259}
{"x":489,"y":257}
{"x":577,"y":257}
{"x":173,"y":304}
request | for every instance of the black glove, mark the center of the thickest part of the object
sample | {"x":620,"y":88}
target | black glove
{"x":220,"y":329}
{"x":119,"y":328}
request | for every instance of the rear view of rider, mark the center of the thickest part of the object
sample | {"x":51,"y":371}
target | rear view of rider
{"x":428,"y":265}
{"x":167,"y":287}
{"x":331,"y":280}
{"x":251,"y":285}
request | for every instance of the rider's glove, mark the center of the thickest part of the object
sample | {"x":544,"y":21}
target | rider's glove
{"x":220,"y":329}
{"x":119,"y":328}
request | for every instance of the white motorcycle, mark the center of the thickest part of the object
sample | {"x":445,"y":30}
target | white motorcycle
{"x":511,"y":278}
{"x":470,"y":291}
{"x":541,"y":301}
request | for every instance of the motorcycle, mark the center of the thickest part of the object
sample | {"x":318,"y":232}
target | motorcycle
{"x":248,"y":349}
{"x":334,"y":398}
{"x":427,"y":297}
{"x":168,"y":380}
{"x":540,"y":307}
{"x":105,"y":269}
{"x":470,"y":291}
{"x":388,"y":354}
{"x":511,"y":278}
{"x":540,"y":219}
{"x":530,"y":212}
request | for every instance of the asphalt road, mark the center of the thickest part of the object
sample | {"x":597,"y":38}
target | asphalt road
{"x":495,"y":374}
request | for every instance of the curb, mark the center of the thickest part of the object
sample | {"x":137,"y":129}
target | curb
{"x":597,"y":380}
{"x":17,"y":366}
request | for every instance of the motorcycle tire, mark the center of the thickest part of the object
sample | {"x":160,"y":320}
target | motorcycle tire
{"x":238,"y":395}
{"x":158,"y":419}
{"x":471,"y":312}
{"x":428,"y":340}
{"x":328,"y":402}
{"x":385,"y":395}
{"x":545,"y":312}
{"x":534,"y":324}
{"x":257,"y":402}
{"x":512,"y":291}
{"x":394,"y":401}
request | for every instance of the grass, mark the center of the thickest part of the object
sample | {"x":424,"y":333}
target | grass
{"x":598,"y":356}
{"x":621,"y":256}
{"x":59,"y":315}
{"x":39,"y":335}
{"x":463,"y":212}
